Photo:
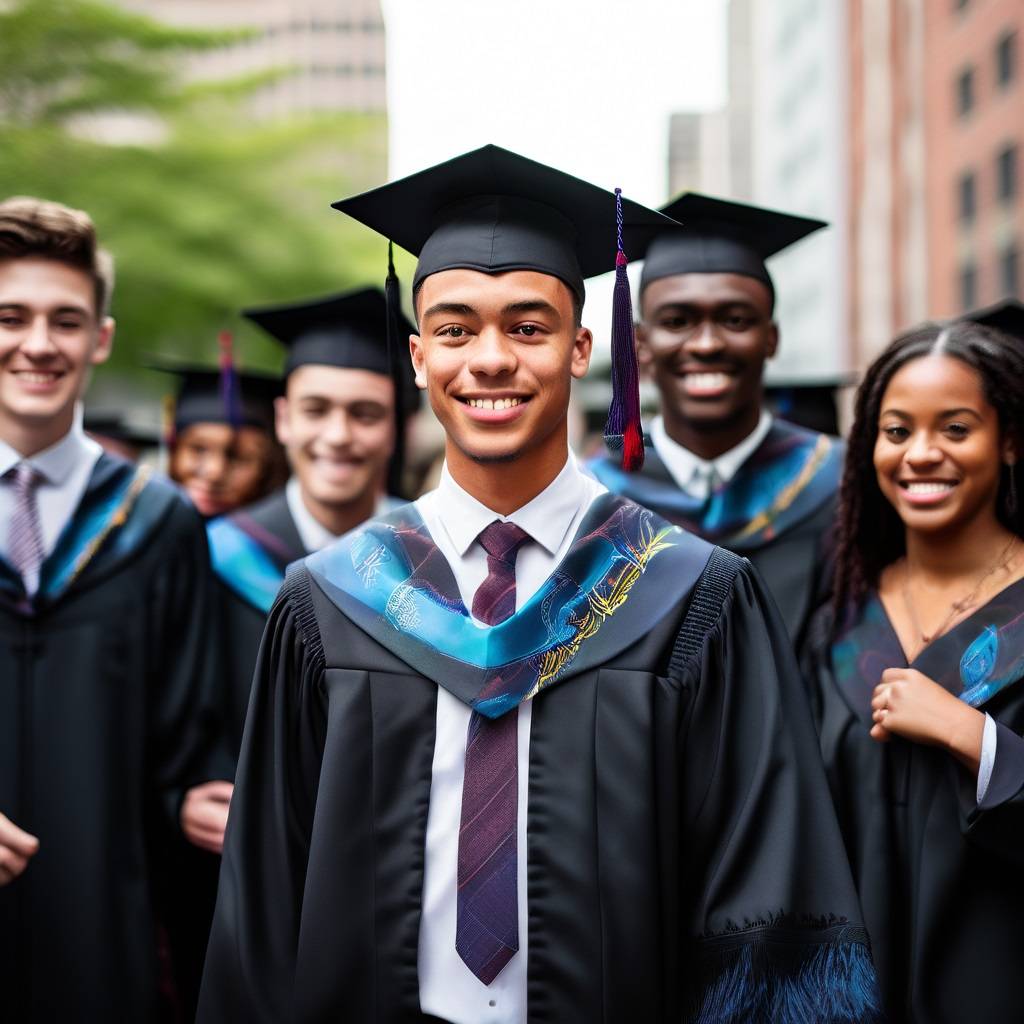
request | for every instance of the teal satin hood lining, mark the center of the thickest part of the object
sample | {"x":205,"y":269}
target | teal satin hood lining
{"x":625,"y":562}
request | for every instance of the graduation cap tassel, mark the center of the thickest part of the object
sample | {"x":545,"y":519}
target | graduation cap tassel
{"x":230,"y":390}
{"x":393,"y":301}
{"x":623,"y":426}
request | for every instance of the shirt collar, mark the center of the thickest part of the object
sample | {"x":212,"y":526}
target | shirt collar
{"x":546,"y":518}
{"x":313,"y":534}
{"x":56,"y":462}
{"x":685,"y":466}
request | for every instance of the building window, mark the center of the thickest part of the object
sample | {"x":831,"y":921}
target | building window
{"x":1006,"y":174}
{"x":968,"y":199}
{"x":965,"y":92}
{"x":1006,"y":59}
{"x":960,"y":5}
{"x":968,"y":287}
{"x":1009,"y":271}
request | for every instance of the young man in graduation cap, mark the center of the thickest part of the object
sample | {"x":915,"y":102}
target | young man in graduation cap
{"x":341,"y":428}
{"x":341,"y":420}
{"x":221,"y":442}
{"x":718,"y":463}
{"x":104,"y":604}
{"x":506,"y":759}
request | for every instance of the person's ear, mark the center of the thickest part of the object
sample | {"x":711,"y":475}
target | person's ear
{"x":104,"y":342}
{"x":419,"y":364}
{"x":772,"y":348}
{"x":1009,"y":452}
{"x":582,"y":349}
{"x":644,"y":357}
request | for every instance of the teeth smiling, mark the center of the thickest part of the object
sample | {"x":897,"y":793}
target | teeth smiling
{"x":928,"y":487}
{"x":494,"y":403}
{"x":707,"y":380}
{"x":36,"y":378}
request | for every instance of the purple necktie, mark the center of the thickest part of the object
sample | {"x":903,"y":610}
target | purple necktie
{"x":24,"y":533}
{"x":487,"y":929}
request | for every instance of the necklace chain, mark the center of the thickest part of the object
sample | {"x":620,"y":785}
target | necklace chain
{"x":956,"y":607}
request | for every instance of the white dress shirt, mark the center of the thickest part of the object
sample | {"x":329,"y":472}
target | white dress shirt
{"x":448,"y":989}
{"x":695,"y":475}
{"x":65,"y":468}
{"x":313,"y":534}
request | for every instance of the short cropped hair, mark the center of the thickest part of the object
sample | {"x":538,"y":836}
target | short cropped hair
{"x":40,"y":228}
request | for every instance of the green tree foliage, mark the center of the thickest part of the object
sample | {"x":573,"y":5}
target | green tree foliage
{"x":221,"y":212}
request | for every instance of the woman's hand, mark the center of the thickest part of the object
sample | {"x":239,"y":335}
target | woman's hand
{"x":907,"y":703}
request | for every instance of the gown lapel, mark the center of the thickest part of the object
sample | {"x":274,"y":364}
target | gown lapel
{"x":974,"y":661}
{"x":391,"y":579}
{"x":788,"y":478}
{"x":103,"y":527}
{"x":251,"y":549}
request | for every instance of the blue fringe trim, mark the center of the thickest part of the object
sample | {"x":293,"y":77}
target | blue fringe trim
{"x":836,"y":984}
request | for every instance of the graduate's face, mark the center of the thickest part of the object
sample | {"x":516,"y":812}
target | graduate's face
{"x":221,"y":468}
{"x":496,"y":354}
{"x":337,"y":426}
{"x":939,"y":453}
{"x":50,"y":336}
{"x":704,"y":339}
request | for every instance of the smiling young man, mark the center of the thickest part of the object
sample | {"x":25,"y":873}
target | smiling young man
{"x":506,"y":760}
{"x":718,"y":464}
{"x":103,"y":666}
{"x":337,"y":422}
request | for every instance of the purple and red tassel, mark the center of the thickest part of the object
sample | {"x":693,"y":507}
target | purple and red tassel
{"x":624,"y":426}
{"x":230,"y":388}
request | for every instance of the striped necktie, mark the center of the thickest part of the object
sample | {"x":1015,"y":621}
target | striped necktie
{"x":24,"y":532}
{"x":487,"y":928}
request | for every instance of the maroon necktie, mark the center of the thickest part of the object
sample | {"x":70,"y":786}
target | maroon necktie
{"x":487,"y":929}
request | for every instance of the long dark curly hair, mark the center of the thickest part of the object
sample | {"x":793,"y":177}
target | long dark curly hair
{"x":870,"y":534}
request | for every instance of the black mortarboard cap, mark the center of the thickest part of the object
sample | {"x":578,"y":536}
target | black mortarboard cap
{"x":347,"y":330}
{"x":1006,"y":316}
{"x":808,"y":402}
{"x":355,"y":330}
{"x":718,"y":236}
{"x":494,"y":211}
{"x":200,"y":397}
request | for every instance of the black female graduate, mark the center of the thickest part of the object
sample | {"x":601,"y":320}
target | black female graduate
{"x":919,"y":687}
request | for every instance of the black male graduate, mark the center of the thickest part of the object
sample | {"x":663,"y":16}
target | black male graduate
{"x":506,"y":760}
{"x":718,"y":464}
{"x":342,"y":429}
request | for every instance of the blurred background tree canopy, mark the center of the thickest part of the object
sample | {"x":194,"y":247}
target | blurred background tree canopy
{"x":206,"y":208}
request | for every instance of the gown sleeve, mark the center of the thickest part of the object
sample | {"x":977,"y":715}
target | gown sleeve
{"x":250,"y":962}
{"x":997,"y":823}
{"x":182,"y":663}
{"x":775,"y":931}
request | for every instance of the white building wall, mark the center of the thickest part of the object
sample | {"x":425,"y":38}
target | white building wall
{"x":800,"y":160}
{"x":334,"y":50}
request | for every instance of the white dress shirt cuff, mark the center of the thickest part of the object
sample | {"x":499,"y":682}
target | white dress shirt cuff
{"x":988,"y":757}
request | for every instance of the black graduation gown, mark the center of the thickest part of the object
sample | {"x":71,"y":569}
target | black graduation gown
{"x":940,"y":878}
{"x":103,"y":694}
{"x":684,"y":861}
{"x":778,"y":511}
{"x":250,"y":550}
